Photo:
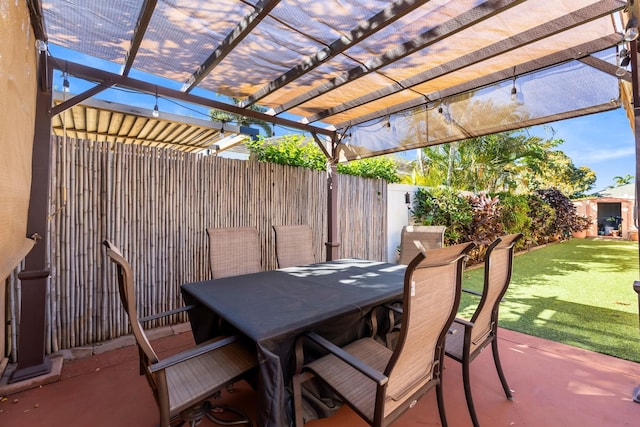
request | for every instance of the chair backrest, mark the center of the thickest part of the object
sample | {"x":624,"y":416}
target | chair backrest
{"x":498,"y":264}
{"x":127,"y":292}
{"x":432,"y":287}
{"x":294,"y":245}
{"x":431,"y":237}
{"x":233,"y":251}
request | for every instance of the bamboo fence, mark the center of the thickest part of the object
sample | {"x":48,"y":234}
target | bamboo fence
{"x":155,"y":205}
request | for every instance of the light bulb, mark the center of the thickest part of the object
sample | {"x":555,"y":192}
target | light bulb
{"x":631,"y":34}
{"x":41,"y":45}
{"x":514,"y":93}
{"x":156,"y":112}
{"x":631,"y":30}
{"x":65,"y":85}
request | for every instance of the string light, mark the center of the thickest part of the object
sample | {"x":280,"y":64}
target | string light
{"x":625,"y":58}
{"x":444,"y":110}
{"x":65,"y":82}
{"x":631,"y":30}
{"x":516,"y":96}
{"x":156,"y":112}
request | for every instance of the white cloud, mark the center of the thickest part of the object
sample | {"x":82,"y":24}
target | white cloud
{"x":602,"y":155}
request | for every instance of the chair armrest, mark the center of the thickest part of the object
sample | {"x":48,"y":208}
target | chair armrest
{"x":395,"y":309}
{"x":463,"y":322}
{"x":356,"y":363}
{"x":166,"y":313}
{"x":479,"y":294}
{"x":469,"y":291}
{"x":191,"y":353}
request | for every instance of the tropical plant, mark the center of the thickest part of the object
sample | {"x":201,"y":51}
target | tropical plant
{"x":554,"y":169}
{"x":581,"y":223}
{"x":508,"y":161}
{"x":543,"y":217}
{"x":485,"y":226}
{"x":444,"y":206}
{"x":566,"y":212}
{"x":623,"y":180}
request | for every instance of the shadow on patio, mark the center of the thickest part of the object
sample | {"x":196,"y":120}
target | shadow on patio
{"x":554,"y":384}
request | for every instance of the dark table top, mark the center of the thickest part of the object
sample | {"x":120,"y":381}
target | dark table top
{"x":271,"y":303}
{"x":273,"y":307}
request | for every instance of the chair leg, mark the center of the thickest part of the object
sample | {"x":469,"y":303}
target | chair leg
{"x":496,"y":360}
{"x":296,"y":384}
{"x":215,"y":414}
{"x":466,"y":381}
{"x":440,"y":400}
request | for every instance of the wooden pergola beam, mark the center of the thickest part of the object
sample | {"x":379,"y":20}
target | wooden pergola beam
{"x":559,"y":25}
{"x":365,"y":29}
{"x":240,"y":32}
{"x":434,"y":35}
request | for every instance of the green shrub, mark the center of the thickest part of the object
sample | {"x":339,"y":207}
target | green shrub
{"x":443,"y":206}
{"x":566,"y":213}
{"x":292,"y":150}
{"x":375,"y":167}
{"x":514,"y":215}
{"x":543,"y":218}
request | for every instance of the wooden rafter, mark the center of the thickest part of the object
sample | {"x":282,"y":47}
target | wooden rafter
{"x":138,"y":33}
{"x":434,"y":35}
{"x":242,"y":30}
{"x":365,"y":29}
{"x":94,"y":74}
{"x":581,"y":51}
{"x":557,"y":26}
{"x":605,"y":66}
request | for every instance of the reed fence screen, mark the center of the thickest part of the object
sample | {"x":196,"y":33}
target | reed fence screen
{"x":155,"y":205}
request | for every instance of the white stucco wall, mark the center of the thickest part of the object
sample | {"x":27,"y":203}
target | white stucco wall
{"x":398,"y":215}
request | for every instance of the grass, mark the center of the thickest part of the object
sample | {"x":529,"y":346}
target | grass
{"x":578,"y":292}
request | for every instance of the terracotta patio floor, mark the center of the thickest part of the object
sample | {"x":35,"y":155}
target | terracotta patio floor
{"x":554,"y":384}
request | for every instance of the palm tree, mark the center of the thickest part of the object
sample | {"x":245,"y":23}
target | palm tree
{"x":623,"y":180}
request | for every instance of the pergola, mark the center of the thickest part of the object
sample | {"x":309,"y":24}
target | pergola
{"x":363,"y":78}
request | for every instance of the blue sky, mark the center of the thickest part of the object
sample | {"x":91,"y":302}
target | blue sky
{"x":603,"y":142}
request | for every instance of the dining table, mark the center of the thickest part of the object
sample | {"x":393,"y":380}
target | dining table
{"x":272,"y":308}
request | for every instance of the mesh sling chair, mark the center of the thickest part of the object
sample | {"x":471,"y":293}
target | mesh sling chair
{"x":430,"y":236}
{"x":469,"y":337}
{"x":379,"y":384}
{"x":183,"y":382}
{"x":294,"y":245}
{"x":394,"y":311}
{"x":234,"y":251}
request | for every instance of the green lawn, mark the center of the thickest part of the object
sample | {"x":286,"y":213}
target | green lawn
{"x":578,"y":292}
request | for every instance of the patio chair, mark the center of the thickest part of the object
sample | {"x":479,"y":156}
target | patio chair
{"x":234,"y":251}
{"x":394,"y":311}
{"x":183,"y":382}
{"x":379,"y":384}
{"x":431,"y":237}
{"x":468,"y":338}
{"x":294,"y":245}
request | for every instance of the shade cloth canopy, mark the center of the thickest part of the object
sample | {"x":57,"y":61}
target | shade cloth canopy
{"x":387,"y":76}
